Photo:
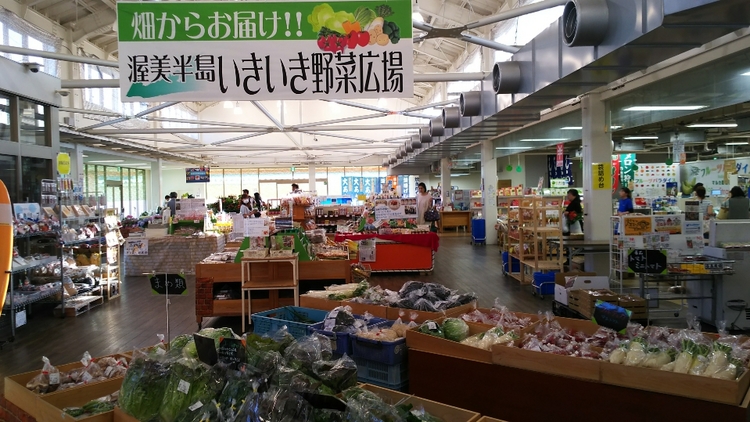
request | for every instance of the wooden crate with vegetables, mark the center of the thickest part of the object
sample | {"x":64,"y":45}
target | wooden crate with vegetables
{"x":92,"y":403}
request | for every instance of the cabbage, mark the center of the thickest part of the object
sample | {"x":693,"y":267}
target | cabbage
{"x":364,"y":15}
{"x":432,"y":328}
{"x":455,"y":329}
{"x":324,"y":16}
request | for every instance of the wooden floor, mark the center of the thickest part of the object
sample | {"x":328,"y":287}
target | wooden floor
{"x":134,"y":319}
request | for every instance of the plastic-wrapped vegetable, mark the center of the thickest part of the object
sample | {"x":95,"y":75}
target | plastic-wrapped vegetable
{"x":236,"y":389}
{"x":684,"y":360}
{"x":729,"y":373}
{"x":718,"y":360}
{"x":341,"y":320}
{"x":656,"y":358}
{"x":636,"y":354}
{"x":143,"y":388}
{"x":278,"y":405}
{"x":338,"y":374}
{"x":412,"y":414}
{"x":455,"y":329}
{"x":276,"y":342}
{"x":618,"y":355}
{"x":207,"y":387}
{"x":365,"y":406}
{"x":432,"y":328}
{"x":490,"y":338}
{"x":47,"y":381}
{"x":187,"y":378}
{"x":304,"y":352}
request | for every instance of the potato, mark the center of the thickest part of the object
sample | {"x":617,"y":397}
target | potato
{"x":383,"y":39}
{"x":373,"y":36}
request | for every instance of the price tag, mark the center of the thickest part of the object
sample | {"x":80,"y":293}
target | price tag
{"x":195,"y":406}
{"x":183,"y":387}
{"x":54,"y":378}
{"x":86,"y":377}
{"x":108,"y":371}
{"x":432,"y":326}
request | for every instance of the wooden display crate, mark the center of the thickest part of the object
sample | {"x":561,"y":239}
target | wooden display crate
{"x":422,"y":316}
{"x":443,"y":411}
{"x":120,"y":416}
{"x":51,"y":407}
{"x":584,"y":301}
{"x":306,"y":301}
{"x":685,"y":385}
{"x":489,"y":419}
{"x":227,"y":307}
{"x":389,"y":396}
{"x":16,"y":392}
{"x":635,"y":304}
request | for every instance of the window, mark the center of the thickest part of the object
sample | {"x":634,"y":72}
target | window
{"x":521,"y":30}
{"x":471,"y":65}
{"x":179,"y":112}
{"x":33,"y":170}
{"x":9,"y":175}
{"x":32,"y":117}
{"x":17,"y":38}
{"x":5,"y":118}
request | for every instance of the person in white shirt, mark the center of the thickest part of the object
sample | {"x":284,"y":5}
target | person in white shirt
{"x":424,"y":202}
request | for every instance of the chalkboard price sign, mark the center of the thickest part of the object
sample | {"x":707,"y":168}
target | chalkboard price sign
{"x":647,"y":261}
{"x":174,"y":284}
{"x":232,"y":352}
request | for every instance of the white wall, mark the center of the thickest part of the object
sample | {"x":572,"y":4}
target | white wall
{"x":515,"y":177}
{"x":173,"y":180}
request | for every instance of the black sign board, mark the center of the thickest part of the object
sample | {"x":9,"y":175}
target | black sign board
{"x":232,"y":352}
{"x":174,"y":284}
{"x":611,"y":316}
{"x":206,"y":348}
{"x":647,"y":261}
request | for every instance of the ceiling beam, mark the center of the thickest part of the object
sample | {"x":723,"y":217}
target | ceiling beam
{"x":93,"y":23}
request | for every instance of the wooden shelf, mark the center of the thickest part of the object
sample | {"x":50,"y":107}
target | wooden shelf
{"x":270,"y":284}
{"x":543,"y":265}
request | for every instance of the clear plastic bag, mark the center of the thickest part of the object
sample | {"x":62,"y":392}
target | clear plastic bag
{"x":47,"y":381}
{"x":341,"y":320}
{"x":308,"y":350}
{"x":338,"y":374}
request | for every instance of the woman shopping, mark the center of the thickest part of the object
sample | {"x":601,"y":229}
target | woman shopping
{"x":705,"y":208}
{"x":737,"y":206}
{"x":625,"y":205}
{"x":424,"y":202}
{"x":574,"y":213}
{"x":245,"y":210}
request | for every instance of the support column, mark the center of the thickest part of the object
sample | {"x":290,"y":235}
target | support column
{"x":311,"y":179}
{"x":489,"y":190}
{"x":157,"y":195}
{"x":597,"y":148}
{"x":77,"y":166}
{"x":445,"y":179}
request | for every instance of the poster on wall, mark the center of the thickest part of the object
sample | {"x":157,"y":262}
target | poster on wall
{"x":198,"y":175}
{"x":394,"y":209}
{"x":241,"y":51}
{"x":651,"y":180}
{"x":671,"y":223}
{"x":712,"y":173}
{"x":136,"y":247}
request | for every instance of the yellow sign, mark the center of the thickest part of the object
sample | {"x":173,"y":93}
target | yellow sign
{"x":602,"y":174}
{"x":636,"y":226}
{"x":63,"y":163}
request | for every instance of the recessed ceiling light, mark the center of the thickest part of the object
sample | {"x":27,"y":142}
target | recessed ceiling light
{"x":615,"y":127}
{"x":639,"y":138}
{"x":665,"y":108}
{"x":106,"y":161}
{"x":571,"y":128}
{"x":84,"y":155}
{"x":512,"y":147}
{"x":116,"y":148}
{"x":736,"y":143}
{"x":545,"y":140}
{"x":98,"y":145}
{"x":746,"y":74}
{"x":713,"y":125}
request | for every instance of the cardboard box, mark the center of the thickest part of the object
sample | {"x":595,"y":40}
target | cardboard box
{"x":120,"y":416}
{"x":443,"y":411}
{"x":16,"y":392}
{"x":306,"y":301}
{"x":584,"y":301}
{"x":692,"y":386}
{"x":51,"y":407}
{"x":422,"y":316}
{"x":389,"y":396}
{"x":583,"y":281}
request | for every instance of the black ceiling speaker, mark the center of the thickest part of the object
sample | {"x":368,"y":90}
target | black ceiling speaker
{"x":506,"y":77}
{"x":585,"y":22}
{"x":436,"y":127}
{"x":451,"y":117}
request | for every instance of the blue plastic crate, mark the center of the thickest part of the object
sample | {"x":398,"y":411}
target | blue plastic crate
{"x":510,"y":264}
{"x":544,"y":283}
{"x":387,"y":352}
{"x":340,"y":342}
{"x":378,"y":373}
{"x":478,"y":230}
{"x":271,"y":321}
{"x":403,"y":387}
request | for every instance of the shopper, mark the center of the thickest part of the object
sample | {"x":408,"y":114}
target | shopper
{"x":705,"y":208}
{"x":258,"y":202}
{"x":245,"y":192}
{"x":295,"y":189}
{"x":424,"y":202}
{"x":574,"y":210}
{"x":172,"y":204}
{"x":625,"y":206}
{"x":245,"y":206}
{"x":738,"y":205}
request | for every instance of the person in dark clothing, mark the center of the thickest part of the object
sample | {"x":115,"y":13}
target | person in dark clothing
{"x":574,"y":210}
{"x":173,"y":203}
{"x":258,"y":203}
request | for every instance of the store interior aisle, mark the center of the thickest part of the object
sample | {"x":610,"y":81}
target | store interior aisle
{"x":134,"y":320}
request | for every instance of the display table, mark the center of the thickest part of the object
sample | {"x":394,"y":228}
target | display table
{"x":400,"y":252}
{"x":268,"y":274}
{"x":172,"y":254}
{"x":514,"y":394}
{"x":449,"y":219}
{"x":209,"y":277}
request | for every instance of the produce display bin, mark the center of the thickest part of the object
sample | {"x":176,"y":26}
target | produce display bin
{"x":386,"y":352}
{"x":270,"y":321}
{"x":306,"y":301}
{"x":341,"y":342}
{"x":443,"y":411}
{"x":395,"y":377}
{"x":51,"y":408}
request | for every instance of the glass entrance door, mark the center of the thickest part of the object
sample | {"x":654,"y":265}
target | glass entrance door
{"x":114,"y":197}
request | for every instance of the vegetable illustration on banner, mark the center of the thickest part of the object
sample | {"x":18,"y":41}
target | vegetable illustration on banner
{"x":265,"y":50}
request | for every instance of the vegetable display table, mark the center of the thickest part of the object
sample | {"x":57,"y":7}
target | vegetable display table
{"x":400,"y":252}
{"x":449,"y":219}
{"x":504,"y":392}
{"x":268,"y":274}
{"x":173,"y":254}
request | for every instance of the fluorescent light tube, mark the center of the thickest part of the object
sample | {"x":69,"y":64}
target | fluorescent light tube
{"x":735,"y":143}
{"x":106,"y":161}
{"x":665,"y":108}
{"x":571,"y":128}
{"x":637,"y":138}
{"x":545,"y":140}
{"x":512,"y":147}
{"x":707,"y":125}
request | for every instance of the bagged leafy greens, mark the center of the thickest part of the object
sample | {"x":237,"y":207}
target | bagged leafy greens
{"x":143,"y":388}
{"x":338,"y":374}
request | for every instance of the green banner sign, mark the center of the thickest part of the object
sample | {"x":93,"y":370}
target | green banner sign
{"x":177,"y":51}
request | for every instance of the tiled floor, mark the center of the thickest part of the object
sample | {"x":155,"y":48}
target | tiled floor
{"x":134,"y":319}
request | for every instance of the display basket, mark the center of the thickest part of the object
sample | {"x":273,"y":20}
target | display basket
{"x":271,"y":321}
{"x":341,"y":342}
{"x":255,"y":253}
{"x":282,"y":253}
{"x":361,"y":272}
{"x":385,"y":352}
{"x":395,"y":377}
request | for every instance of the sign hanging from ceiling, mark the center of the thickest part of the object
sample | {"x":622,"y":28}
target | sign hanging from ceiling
{"x":240,"y":51}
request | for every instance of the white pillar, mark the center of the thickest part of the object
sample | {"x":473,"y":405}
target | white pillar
{"x":597,"y":148}
{"x":311,"y":178}
{"x":157,"y":195}
{"x":77,"y":170}
{"x":445,"y":179}
{"x":489,"y":190}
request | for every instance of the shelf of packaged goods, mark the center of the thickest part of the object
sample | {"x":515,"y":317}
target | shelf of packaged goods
{"x":35,"y":264}
{"x":31,"y":298}
{"x":544,"y":208}
{"x":33,"y":235}
{"x":541,"y":229}
{"x":72,"y":243}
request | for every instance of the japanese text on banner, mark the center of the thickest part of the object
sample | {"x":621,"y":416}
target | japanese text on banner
{"x":269,"y":50}
{"x":602,"y":176}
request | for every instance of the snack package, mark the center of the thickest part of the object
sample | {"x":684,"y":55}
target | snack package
{"x":47,"y":381}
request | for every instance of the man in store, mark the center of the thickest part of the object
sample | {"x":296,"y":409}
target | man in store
{"x":295,"y":188}
{"x":245,"y":192}
{"x":172,"y":204}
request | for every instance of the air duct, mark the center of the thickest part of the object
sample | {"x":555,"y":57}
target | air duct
{"x":471,"y":104}
{"x":392,"y":159}
{"x":451,"y":117}
{"x":424,"y":135}
{"x":506,"y":77}
{"x":386,"y":161}
{"x":416,"y":142}
{"x":585,"y":22}
{"x":436,"y":127}
{"x":409,"y":149}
